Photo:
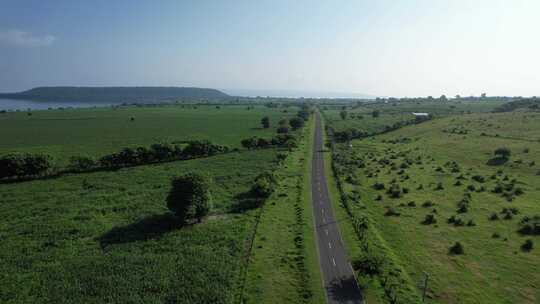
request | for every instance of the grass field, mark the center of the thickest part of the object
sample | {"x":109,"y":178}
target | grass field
{"x":360,"y":116}
{"x":284,"y":266}
{"x":493,"y":268}
{"x":99,"y":131}
{"x":108,"y":236}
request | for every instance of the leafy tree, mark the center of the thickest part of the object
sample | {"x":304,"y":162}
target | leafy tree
{"x":249,"y":143}
{"x":343,"y":114}
{"x":264,"y":185}
{"x":296,"y":123}
{"x":283,"y":122}
{"x":265,"y":121}
{"x":443,"y":98}
{"x":375,"y":113}
{"x":190,"y":196}
{"x":457,"y":248}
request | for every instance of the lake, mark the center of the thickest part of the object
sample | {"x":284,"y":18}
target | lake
{"x":18,"y":104}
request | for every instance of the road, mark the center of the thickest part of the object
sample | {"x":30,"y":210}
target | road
{"x":338,"y":277}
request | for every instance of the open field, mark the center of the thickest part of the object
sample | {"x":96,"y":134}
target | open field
{"x":99,"y":131}
{"x":425,"y":163}
{"x":360,"y":117}
{"x":107,"y":236}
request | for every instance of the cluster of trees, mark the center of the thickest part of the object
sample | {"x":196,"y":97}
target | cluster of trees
{"x":159,"y":153}
{"x":281,"y":140}
{"x":24,"y":165}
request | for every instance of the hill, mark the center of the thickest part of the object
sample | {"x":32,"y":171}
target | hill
{"x":115,"y":94}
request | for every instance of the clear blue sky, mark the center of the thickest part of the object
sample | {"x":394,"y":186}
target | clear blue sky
{"x":382,"y":47}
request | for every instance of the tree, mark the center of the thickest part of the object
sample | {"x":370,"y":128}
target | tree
{"x":443,"y":98}
{"x":296,"y":123}
{"x":483,"y":95}
{"x":264,"y":185}
{"x":283,"y":130}
{"x":375,"y":113}
{"x":82,"y":163}
{"x":284,"y":122}
{"x":189,"y":197}
{"x":343,"y":114}
{"x":265,"y":121}
{"x":502,"y":152}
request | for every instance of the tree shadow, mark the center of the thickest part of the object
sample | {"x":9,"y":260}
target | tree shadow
{"x":344,"y":290}
{"x":246,"y":201}
{"x":497,"y":161}
{"x":145,"y":229}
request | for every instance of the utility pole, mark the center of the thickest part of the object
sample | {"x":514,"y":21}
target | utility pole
{"x":425,"y":286}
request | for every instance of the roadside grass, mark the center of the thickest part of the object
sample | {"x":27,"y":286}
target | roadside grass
{"x":493,"y":268}
{"x":98,"y":131}
{"x":284,"y":266}
{"x":107,"y":237}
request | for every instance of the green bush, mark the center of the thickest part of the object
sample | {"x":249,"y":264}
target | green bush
{"x":457,"y":249}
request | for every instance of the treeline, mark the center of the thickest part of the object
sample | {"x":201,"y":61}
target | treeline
{"x":281,"y":140}
{"x":29,"y":166}
{"x":353,"y":133}
{"x":527,"y":103}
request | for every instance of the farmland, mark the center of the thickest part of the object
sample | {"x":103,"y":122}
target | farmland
{"x":99,"y":131}
{"x":424,"y":187}
{"x":107,"y":236}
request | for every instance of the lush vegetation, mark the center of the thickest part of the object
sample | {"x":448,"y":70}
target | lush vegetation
{"x":430,"y":198}
{"x":138,"y":233}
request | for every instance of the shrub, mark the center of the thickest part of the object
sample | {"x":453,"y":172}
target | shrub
{"x":527,"y":246}
{"x":411,"y":204}
{"x":82,"y":163}
{"x":296,"y":123}
{"x":265,"y":121}
{"x":495,"y":235}
{"x":23,"y":165}
{"x":479,"y":178}
{"x":427,"y":204}
{"x":439,"y":186}
{"x":471,"y":223}
{"x":502,"y":152}
{"x":378,"y":186}
{"x":457,"y":249}
{"x":530,"y":226}
{"x":282,"y":130}
{"x":493,"y":217}
{"x":429,"y":219}
{"x":369,"y":264}
{"x":392,"y":212}
{"x":394,"y":191}
{"x":264,"y":185}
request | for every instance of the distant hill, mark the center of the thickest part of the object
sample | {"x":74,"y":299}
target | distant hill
{"x":116,"y":94}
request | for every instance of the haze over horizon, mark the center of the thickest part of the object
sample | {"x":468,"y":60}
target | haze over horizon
{"x":377,"y":48}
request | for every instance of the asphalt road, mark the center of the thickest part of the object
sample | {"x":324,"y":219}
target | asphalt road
{"x":338,"y":276}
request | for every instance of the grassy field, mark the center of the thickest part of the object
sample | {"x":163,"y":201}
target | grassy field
{"x":108,"y":236}
{"x":284,"y":266}
{"x":360,"y":116}
{"x":99,"y":131}
{"x":427,"y":160}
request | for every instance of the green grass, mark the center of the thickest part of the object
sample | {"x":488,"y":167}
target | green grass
{"x":284,"y":266}
{"x":107,"y":237}
{"x":99,"y":131}
{"x":492,"y":270}
{"x":360,"y":115}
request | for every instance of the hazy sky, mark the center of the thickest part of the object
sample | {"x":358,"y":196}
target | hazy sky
{"x":379,"y":47}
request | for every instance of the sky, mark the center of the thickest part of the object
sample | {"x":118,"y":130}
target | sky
{"x":381,"y":47}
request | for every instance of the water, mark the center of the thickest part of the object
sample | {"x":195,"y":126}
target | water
{"x":19,"y":104}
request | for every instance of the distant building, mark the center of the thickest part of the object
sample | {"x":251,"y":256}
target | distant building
{"x":420,"y":114}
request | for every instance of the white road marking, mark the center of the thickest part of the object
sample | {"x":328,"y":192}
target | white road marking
{"x":334,"y":261}
{"x":329,"y":245}
{"x":326,"y":231}
{"x":324,"y":221}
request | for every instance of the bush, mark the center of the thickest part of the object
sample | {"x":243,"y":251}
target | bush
{"x":296,"y":123}
{"x":282,"y":130}
{"x":392,"y":212}
{"x":493,"y":217}
{"x":369,"y":264}
{"x":530,"y":226}
{"x":82,"y":163}
{"x":457,"y":249}
{"x":378,"y":186}
{"x":394,"y":191}
{"x":264,"y":185}
{"x":429,"y":219}
{"x":439,"y":186}
{"x":189,"y":197}
{"x":24,"y":165}
{"x":502,"y":152}
{"x":428,"y":204}
{"x":527,"y":246}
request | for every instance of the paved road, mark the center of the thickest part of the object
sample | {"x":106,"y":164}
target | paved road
{"x":338,"y":277}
